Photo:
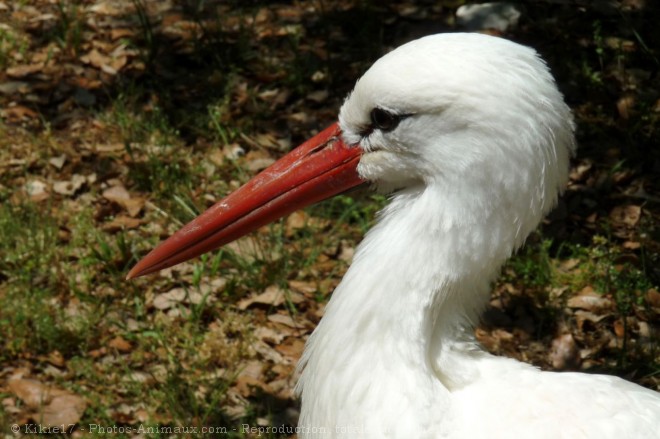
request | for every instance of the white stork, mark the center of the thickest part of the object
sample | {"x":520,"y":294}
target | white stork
{"x":472,"y":138}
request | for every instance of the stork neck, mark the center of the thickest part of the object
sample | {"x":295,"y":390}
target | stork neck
{"x":417,"y":283}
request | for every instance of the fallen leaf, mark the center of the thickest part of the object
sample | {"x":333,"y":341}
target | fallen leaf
{"x":272,"y":296}
{"x":118,"y":194}
{"x":589,"y":300}
{"x":178,"y":296}
{"x":631,"y":245}
{"x":121,"y":222}
{"x":653,"y":298}
{"x":619,"y":328}
{"x":306,"y":288}
{"x":56,"y":358}
{"x":105,"y":8}
{"x":100,"y":61}
{"x":292,"y":348}
{"x":296,"y":221}
{"x":36,"y":190}
{"x":31,"y":392}
{"x":587,"y":316}
{"x":121,"y":344}
{"x":625,"y":106}
{"x":569,"y":264}
{"x":644,"y":330}
{"x":12,"y":87}
{"x":110,"y":147}
{"x":58,"y":162}
{"x":18,"y":113}
{"x":65,"y":409}
{"x":565,"y":353}
{"x":287,"y":320}
{"x":69,"y":187}
{"x":269,"y":335}
{"x":24,"y":70}
{"x":244,"y":385}
{"x":51,"y":406}
{"x":318,"y":96}
{"x":346,"y":252}
{"x":626,"y":215}
{"x":259,"y":164}
{"x":116,"y":34}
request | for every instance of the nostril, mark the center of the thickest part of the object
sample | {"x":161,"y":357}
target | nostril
{"x":322,"y":146}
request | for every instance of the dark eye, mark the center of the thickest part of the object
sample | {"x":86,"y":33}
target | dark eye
{"x":384,"y":120}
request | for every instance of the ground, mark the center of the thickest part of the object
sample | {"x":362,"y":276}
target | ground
{"x":121,"y":120}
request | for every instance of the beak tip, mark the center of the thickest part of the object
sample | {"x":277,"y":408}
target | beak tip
{"x":135,"y":272}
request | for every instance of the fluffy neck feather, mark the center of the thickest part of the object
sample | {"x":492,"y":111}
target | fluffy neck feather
{"x":404,"y":313}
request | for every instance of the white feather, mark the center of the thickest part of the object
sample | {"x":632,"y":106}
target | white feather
{"x":478,"y":164}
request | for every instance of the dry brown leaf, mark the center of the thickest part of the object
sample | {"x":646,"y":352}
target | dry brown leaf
{"x":58,"y":162}
{"x":55,"y":358}
{"x":98,"y":60}
{"x":110,"y":147}
{"x":269,"y":335}
{"x":569,"y":264}
{"x":581,"y":171}
{"x":249,"y":249}
{"x":631,"y":245}
{"x":118,"y":194}
{"x":292,"y":348}
{"x":36,"y":190}
{"x":116,"y":34}
{"x":253,"y":369}
{"x":619,"y":328}
{"x":244,"y":385}
{"x":653,"y":298}
{"x":589,"y":300}
{"x":626,"y":215}
{"x":298,"y":323}
{"x":565,"y":353}
{"x":106,"y":8}
{"x":625,"y":106}
{"x":272,"y":296}
{"x":118,"y":63}
{"x":97,"y":353}
{"x":65,"y":409}
{"x":18,"y":113}
{"x":12,"y":87}
{"x":587,"y":316}
{"x":259,"y":164}
{"x":53,"y":407}
{"x":296,"y":221}
{"x":121,"y":222}
{"x":31,"y":392}
{"x":346,"y":252}
{"x":644,"y":330}
{"x":177,"y":296}
{"x":304,"y":287}
{"x":24,"y":70}
{"x":9,"y":406}
{"x":318,"y":96}
{"x":121,"y":344}
{"x":70,"y":187}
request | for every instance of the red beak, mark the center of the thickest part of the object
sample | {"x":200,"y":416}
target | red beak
{"x":318,"y":169}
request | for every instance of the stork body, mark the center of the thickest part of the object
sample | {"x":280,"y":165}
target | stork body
{"x":473,"y":139}
{"x":395,"y":356}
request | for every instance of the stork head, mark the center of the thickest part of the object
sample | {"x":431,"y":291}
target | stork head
{"x":478,"y":117}
{"x":466,"y":112}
